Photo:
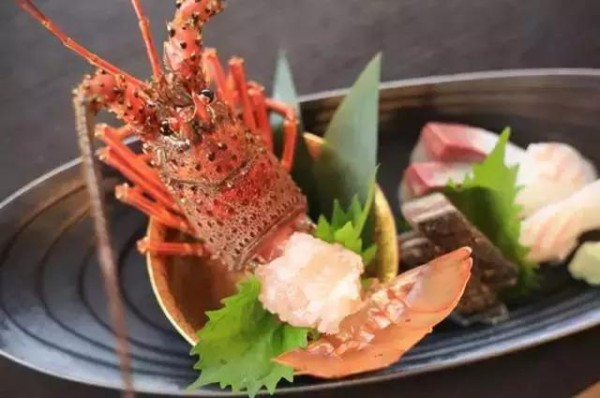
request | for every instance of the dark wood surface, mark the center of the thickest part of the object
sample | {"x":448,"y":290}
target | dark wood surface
{"x":328,"y":43}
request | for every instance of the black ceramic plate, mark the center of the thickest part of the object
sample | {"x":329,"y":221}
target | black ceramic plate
{"x":52,"y":306}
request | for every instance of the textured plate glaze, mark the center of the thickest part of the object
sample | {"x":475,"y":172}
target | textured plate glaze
{"x":52,"y":307}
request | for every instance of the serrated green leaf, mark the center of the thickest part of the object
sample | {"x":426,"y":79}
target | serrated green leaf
{"x":348,"y":228}
{"x":348,"y":237}
{"x":323,"y":230}
{"x":239,"y":341}
{"x":355,"y":210}
{"x":368,"y":255}
{"x":284,"y":90}
{"x":487,"y":197}
{"x":349,"y":155}
{"x":339,"y":217}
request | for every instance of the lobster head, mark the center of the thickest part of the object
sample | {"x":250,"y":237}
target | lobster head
{"x":209,"y":147}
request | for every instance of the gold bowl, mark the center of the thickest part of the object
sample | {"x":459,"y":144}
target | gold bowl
{"x":187,"y":287}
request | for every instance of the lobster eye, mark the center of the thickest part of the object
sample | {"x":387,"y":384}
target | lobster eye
{"x":165,"y":128}
{"x":208,"y":94}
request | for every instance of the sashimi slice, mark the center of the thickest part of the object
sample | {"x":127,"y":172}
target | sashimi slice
{"x":422,"y":178}
{"x":549,"y":173}
{"x":451,"y":142}
{"x":552,"y":232}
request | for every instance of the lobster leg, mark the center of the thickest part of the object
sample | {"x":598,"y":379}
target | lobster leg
{"x":133,"y":197}
{"x":146,"y":245}
{"x":253,"y":102}
{"x":145,"y":202}
{"x":257,"y":95}
{"x":255,"y":106}
{"x":236,"y":68}
{"x":290,"y":130}
{"x":146,"y":195}
{"x":132,"y":166}
{"x":217,"y":76}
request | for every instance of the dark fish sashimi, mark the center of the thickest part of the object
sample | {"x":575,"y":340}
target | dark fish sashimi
{"x":439,"y":227}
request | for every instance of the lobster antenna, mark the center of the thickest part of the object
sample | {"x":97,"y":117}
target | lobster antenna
{"x":147,"y":36}
{"x":106,"y":258}
{"x":71,"y":44}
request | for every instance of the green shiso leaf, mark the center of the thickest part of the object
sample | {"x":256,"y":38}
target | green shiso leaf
{"x":487,"y":197}
{"x":347,"y":227}
{"x":239,"y":341}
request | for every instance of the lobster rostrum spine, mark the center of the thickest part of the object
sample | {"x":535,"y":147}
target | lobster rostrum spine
{"x":207,"y":167}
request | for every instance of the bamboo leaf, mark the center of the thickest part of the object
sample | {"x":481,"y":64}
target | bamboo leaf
{"x":284,"y":90}
{"x":348,"y":158}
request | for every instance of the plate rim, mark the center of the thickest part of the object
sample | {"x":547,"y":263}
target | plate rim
{"x":459,"y":77}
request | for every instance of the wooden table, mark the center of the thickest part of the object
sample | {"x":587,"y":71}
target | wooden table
{"x":328,"y":43}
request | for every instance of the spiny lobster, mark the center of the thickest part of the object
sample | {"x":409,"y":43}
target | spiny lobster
{"x":208,"y":170}
{"x":207,"y":142}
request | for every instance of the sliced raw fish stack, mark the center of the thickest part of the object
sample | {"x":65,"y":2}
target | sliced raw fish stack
{"x":548,"y":172}
{"x":447,"y":151}
{"x":559,"y":197}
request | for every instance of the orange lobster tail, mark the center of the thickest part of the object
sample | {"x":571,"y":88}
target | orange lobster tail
{"x":394,"y":318}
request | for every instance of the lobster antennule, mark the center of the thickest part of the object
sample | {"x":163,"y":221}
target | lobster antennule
{"x":183,"y":49}
{"x":148,"y":41}
{"x":127,"y":102}
{"x":198,"y":10}
{"x":31,"y":9}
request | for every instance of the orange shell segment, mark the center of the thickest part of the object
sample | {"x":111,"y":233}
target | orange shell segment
{"x":426,"y":295}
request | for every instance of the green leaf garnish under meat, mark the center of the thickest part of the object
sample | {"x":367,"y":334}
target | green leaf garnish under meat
{"x":346,"y":227}
{"x":239,"y":341}
{"x":487,"y":197}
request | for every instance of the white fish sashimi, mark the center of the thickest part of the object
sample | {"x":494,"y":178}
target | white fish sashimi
{"x":550,"y":172}
{"x":552,"y":232}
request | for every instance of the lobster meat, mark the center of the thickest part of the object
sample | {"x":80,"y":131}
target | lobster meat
{"x":207,"y":169}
